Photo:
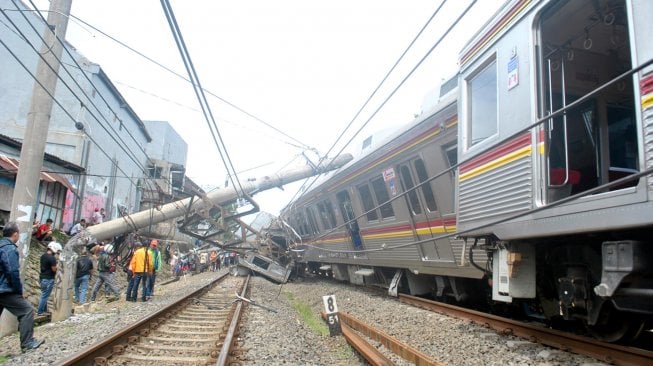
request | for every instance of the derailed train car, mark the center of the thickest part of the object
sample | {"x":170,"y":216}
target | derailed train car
{"x":530,"y":180}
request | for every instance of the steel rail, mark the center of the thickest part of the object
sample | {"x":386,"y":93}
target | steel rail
{"x":97,"y":352}
{"x":607,"y":352}
{"x":364,"y":348}
{"x":229,"y":338}
{"x":400,"y":348}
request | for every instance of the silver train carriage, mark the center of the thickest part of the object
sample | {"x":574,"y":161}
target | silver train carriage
{"x":551,"y":199}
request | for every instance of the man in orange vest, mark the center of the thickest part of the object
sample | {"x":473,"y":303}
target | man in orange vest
{"x":142,"y":264}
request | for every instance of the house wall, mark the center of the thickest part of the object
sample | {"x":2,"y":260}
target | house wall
{"x":105,"y":186}
{"x":166,"y":143}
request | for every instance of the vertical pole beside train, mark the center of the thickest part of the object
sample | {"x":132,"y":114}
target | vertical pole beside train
{"x":64,"y":281}
{"x":36,"y":131}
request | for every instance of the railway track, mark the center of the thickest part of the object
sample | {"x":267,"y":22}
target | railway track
{"x":196,"y":330}
{"x":356,"y":331}
{"x":608,"y":352}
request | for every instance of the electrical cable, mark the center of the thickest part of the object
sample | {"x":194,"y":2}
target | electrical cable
{"x":515,"y":134}
{"x":199,"y":92}
{"x":428,"y":53}
{"x":300,"y":143}
{"x":131,"y":153}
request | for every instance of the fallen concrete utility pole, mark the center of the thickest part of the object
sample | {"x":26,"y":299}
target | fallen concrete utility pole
{"x":63,"y":291}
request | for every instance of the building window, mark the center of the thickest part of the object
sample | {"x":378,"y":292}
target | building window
{"x":368,"y":202}
{"x":381,"y":194}
{"x":427,"y":191}
{"x":52,"y":200}
{"x":154,"y":171}
{"x":482,"y":94}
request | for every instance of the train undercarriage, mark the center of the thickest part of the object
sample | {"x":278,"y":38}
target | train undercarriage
{"x":594,"y":285}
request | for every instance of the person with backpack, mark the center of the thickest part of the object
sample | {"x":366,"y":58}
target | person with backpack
{"x":83,"y":276}
{"x":106,"y":268}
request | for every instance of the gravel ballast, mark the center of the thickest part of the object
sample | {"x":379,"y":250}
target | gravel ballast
{"x":282,"y":339}
{"x":62,"y":339}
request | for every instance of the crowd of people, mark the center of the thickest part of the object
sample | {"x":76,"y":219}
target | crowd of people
{"x":97,"y":262}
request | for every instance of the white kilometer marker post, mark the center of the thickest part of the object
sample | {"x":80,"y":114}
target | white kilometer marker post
{"x":332,"y":314}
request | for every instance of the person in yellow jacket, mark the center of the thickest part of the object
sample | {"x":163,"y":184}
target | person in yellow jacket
{"x":142,"y":264}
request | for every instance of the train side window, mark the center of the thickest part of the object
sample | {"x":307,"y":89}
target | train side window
{"x":331,"y":215}
{"x":381,"y":194}
{"x":408,"y":183}
{"x":311,"y":221}
{"x":451,"y":152}
{"x":322,"y":212}
{"x":368,"y":202}
{"x":482,"y":107}
{"x":427,"y":191}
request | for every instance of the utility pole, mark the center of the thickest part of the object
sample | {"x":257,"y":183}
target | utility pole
{"x":31,"y":154}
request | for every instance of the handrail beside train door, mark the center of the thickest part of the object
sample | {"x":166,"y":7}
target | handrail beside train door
{"x":564,"y":121}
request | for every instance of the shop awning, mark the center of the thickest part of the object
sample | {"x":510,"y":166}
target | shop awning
{"x":11,"y":165}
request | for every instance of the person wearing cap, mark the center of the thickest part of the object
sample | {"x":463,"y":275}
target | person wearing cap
{"x":105,"y":275}
{"x":155,"y":253}
{"x":12,"y":297}
{"x":142,"y":264}
{"x":46,"y":276}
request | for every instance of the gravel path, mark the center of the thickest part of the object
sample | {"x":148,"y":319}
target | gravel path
{"x":448,"y":340}
{"x":62,"y":339}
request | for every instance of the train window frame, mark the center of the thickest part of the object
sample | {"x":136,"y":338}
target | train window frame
{"x":489,"y":64}
{"x":412,"y":198}
{"x":430,"y":200}
{"x":368,"y":205}
{"x":312,"y":222}
{"x":331,"y":213}
{"x":381,"y":189}
{"x":322,"y":214}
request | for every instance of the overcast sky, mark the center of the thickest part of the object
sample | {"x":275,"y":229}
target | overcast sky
{"x":303,"y":66}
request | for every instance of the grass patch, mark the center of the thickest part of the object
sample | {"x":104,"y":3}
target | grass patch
{"x":312,"y":320}
{"x":3,"y":359}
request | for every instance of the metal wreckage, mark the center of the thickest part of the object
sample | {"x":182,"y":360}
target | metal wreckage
{"x":206,"y":217}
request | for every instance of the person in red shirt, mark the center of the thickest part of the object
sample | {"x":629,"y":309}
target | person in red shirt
{"x":44,"y":232}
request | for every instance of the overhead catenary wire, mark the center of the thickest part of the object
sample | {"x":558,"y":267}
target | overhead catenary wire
{"x":297,"y":143}
{"x":115,"y":136}
{"x":56,"y":101}
{"x":122,"y":146}
{"x":515,"y":134}
{"x":199,"y":92}
{"x":442,"y":37}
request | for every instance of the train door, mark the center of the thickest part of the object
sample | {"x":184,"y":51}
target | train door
{"x":584,"y":44}
{"x":425,"y":218}
{"x":349,"y":217}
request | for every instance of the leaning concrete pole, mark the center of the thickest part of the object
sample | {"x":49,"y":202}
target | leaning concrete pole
{"x":64,"y":281}
{"x":31,"y":154}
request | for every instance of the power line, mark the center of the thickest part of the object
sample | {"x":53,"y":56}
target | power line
{"x":130,"y":152}
{"x":299,"y":143}
{"x":199,"y":92}
{"x":56,"y":101}
{"x":437,"y":10}
{"x":515,"y":134}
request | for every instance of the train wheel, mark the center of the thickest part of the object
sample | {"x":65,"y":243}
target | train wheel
{"x":616,"y":326}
